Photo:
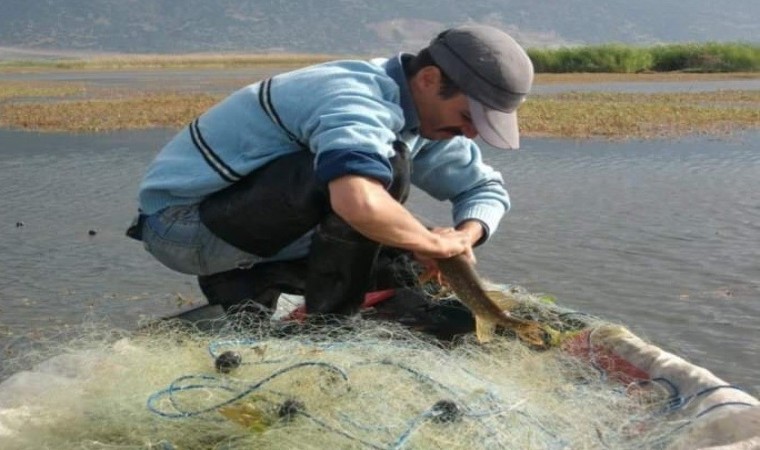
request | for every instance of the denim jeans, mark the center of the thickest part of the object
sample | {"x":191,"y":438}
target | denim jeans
{"x":177,"y":238}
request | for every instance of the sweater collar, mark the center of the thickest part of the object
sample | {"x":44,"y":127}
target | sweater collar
{"x":394,"y":67}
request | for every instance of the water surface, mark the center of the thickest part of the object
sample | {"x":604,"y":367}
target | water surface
{"x":659,"y":235}
{"x":220,"y":81}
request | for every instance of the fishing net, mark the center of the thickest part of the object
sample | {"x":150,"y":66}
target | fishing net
{"x":363,"y":384}
{"x":418,"y":381}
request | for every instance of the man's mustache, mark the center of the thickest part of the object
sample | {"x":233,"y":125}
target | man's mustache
{"x":452,"y":130}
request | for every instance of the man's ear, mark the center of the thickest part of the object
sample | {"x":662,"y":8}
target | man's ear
{"x":429,"y":76}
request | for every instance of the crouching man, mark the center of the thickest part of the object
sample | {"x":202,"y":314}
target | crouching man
{"x":294,"y":183}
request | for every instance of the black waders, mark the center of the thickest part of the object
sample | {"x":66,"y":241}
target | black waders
{"x":272,"y":207}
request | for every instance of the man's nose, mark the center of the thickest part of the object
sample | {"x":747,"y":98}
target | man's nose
{"x":470,"y":131}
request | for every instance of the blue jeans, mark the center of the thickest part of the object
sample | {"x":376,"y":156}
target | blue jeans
{"x":177,"y":238}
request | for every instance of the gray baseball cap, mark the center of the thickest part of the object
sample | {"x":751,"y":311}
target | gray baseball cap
{"x":493,"y":71}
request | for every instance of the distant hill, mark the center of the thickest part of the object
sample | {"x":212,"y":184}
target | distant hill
{"x":357,"y":26}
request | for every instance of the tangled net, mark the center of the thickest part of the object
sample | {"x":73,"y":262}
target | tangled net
{"x":366,"y":384}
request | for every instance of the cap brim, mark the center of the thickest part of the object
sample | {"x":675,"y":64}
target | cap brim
{"x":497,"y":128}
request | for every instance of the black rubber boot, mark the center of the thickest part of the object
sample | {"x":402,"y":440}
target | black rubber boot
{"x":340,"y":268}
{"x":341,"y":260}
{"x":255,"y":290}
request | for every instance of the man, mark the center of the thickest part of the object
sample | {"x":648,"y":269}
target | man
{"x":294,"y":183}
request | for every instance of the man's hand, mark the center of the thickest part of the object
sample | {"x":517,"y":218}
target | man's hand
{"x":450,"y":242}
{"x":453,"y":242}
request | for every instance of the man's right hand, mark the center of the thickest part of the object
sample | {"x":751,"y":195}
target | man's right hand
{"x":450,"y":242}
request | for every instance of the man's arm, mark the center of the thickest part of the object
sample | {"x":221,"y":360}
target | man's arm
{"x":454,"y":170}
{"x":366,"y":206}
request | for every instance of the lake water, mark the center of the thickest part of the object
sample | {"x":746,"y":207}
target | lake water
{"x":662,"y":236}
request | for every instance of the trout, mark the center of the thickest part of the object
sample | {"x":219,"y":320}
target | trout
{"x":459,"y":274}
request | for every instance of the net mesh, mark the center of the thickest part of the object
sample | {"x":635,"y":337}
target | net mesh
{"x":363,"y":384}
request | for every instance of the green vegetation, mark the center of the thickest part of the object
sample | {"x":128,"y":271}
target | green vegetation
{"x":140,"y":111}
{"x":711,"y":57}
{"x":640,"y":116}
{"x":619,"y":58}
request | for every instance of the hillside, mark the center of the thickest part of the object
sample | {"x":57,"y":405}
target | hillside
{"x":358,"y":26}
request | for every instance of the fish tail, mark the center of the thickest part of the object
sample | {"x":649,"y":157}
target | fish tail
{"x":484,"y":329}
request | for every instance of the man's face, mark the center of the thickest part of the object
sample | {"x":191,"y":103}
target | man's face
{"x":441,"y":118}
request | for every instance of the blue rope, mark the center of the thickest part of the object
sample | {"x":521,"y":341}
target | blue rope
{"x":715,"y":388}
{"x":720,"y":405}
{"x":678,"y":401}
{"x":414,"y":424}
{"x":214,"y":382}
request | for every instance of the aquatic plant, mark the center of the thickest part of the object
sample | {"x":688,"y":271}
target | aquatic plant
{"x":573,"y":115}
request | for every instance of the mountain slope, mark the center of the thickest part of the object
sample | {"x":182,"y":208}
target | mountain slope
{"x":359,"y":26}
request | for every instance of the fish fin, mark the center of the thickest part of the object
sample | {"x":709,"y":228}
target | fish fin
{"x":505,"y":301}
{"x":537,"y":337}
{"x":484,"y":329}
{"x":431,"y":275}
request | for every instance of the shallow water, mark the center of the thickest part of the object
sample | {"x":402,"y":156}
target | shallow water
{"x":211,"y":81}
{"x":659,"y":235}
{"x":219,"y":81}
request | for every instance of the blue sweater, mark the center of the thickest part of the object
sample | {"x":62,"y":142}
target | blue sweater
{"x":348,"y":113}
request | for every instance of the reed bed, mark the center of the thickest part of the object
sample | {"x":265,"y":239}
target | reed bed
{"x":644,"y":77}
{"x":620,"y":58}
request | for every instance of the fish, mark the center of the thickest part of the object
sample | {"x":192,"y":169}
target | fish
{"x":460,"y":276}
